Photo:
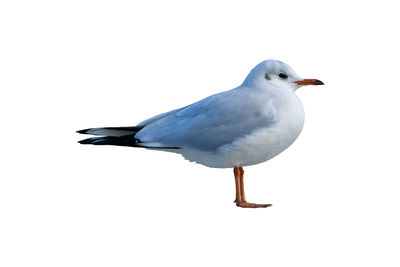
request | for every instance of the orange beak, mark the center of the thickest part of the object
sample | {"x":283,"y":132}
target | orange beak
{"x":309,"y":82}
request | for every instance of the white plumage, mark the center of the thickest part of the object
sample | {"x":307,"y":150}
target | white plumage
{"x":244,"y":126}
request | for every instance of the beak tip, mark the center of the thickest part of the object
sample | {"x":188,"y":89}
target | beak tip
{"x":309,"y":82}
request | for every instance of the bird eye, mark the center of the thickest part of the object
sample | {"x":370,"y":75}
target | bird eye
{"x":283,"y":75}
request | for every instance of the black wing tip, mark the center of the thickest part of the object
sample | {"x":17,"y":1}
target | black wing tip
{"x":126,"y":140}
{"x":88,"y":141}
{"x":98,"y":141}
{"x":133,"y":129}
{"x":84,"y":131}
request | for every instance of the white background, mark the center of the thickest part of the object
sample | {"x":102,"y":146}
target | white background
{"x":68,"y":65}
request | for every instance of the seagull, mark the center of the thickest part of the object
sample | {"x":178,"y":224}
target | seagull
{"x":247,"y":125}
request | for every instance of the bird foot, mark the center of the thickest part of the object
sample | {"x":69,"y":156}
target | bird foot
{"x":244,"y":204}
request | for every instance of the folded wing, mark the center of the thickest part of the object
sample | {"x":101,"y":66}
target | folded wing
{"x":210,"y":123}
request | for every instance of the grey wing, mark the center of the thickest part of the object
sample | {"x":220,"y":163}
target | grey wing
{"x":210,"y":123}
{"x":158,"y":117}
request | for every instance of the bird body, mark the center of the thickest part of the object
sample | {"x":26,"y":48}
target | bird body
{"x":257,"y":127}
{"x":240,"y":127}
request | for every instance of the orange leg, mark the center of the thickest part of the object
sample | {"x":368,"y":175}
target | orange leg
{"x":236,"y":171}
{"x":242,"y":184}
{"x":240,"y":196}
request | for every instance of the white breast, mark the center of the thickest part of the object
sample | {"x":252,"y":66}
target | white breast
{"x":260,"y":145}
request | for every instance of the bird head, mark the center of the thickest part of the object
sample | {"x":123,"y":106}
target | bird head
{"x":274,"y":73}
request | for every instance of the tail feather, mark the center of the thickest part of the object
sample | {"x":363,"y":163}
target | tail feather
{"x":112,"y":131}
{"x":126,"y":140}
{"x":117,"y":136}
